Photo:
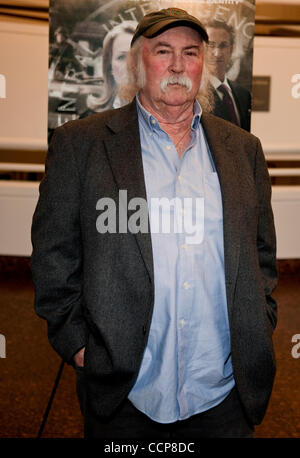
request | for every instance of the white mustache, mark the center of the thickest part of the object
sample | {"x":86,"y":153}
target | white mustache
{"x":174,"y":79}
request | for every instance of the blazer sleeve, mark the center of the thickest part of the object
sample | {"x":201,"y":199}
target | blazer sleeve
{"x":266,"y":237}
{"x":56,"y":261}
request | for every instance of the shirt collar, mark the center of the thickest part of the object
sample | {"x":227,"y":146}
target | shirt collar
{"x":151,"y":121}
{"x":148,"y":118}
{"x":216,"y":82}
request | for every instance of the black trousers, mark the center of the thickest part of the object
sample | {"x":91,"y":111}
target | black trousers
{"x":226,"y":420}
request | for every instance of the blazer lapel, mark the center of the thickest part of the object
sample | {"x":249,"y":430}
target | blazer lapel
{"x":221,"y":150}
{"x":124,"y":154}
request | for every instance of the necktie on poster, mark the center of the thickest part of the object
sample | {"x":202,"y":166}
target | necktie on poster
{"x":229,"y":104}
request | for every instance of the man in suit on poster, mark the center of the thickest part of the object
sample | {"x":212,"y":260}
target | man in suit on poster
{"x":231,"y":101}
{"x":169,"y":328}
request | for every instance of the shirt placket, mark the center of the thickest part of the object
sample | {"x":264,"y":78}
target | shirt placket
{"x":185,"y":289}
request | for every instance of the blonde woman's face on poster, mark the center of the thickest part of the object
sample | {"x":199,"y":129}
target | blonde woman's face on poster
{"x":120,"y":49}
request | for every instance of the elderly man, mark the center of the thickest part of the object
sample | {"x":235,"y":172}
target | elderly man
{"x":231,"y":101}
{"x":169,"y":328}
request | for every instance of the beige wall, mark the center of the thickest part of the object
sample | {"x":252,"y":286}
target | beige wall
{"x":278,"y":129}
{"x":24,"y":64}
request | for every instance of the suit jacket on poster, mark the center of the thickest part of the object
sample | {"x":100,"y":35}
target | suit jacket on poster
{"x":242,"y":98}
{"x":98,"y":289}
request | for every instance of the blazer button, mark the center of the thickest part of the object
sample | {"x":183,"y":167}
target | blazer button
{"x":144,"y":329}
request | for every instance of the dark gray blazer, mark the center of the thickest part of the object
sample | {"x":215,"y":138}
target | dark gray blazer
{"x":97,"y":290}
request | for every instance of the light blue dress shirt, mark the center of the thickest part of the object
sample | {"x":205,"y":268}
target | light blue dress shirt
{"x":186,"y":367}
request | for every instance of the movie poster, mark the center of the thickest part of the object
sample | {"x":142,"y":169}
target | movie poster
{"x":89,"y":40}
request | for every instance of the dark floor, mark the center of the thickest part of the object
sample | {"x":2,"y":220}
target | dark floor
{"x":28,"y":372}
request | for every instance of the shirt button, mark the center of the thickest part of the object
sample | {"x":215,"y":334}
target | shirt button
{"x":153,"y":121}
{"x":179,"y":177}
{"x":168,"y":147}
{"x":150,"y":134}
{"x":182,"y":322}
{"x":186,"y":285}
{"x":185,"y":246}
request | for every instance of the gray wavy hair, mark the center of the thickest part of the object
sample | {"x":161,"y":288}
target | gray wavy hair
{"x":136,"y":78}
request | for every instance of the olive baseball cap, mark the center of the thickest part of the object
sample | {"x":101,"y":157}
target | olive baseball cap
{"x":152,"y":24}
